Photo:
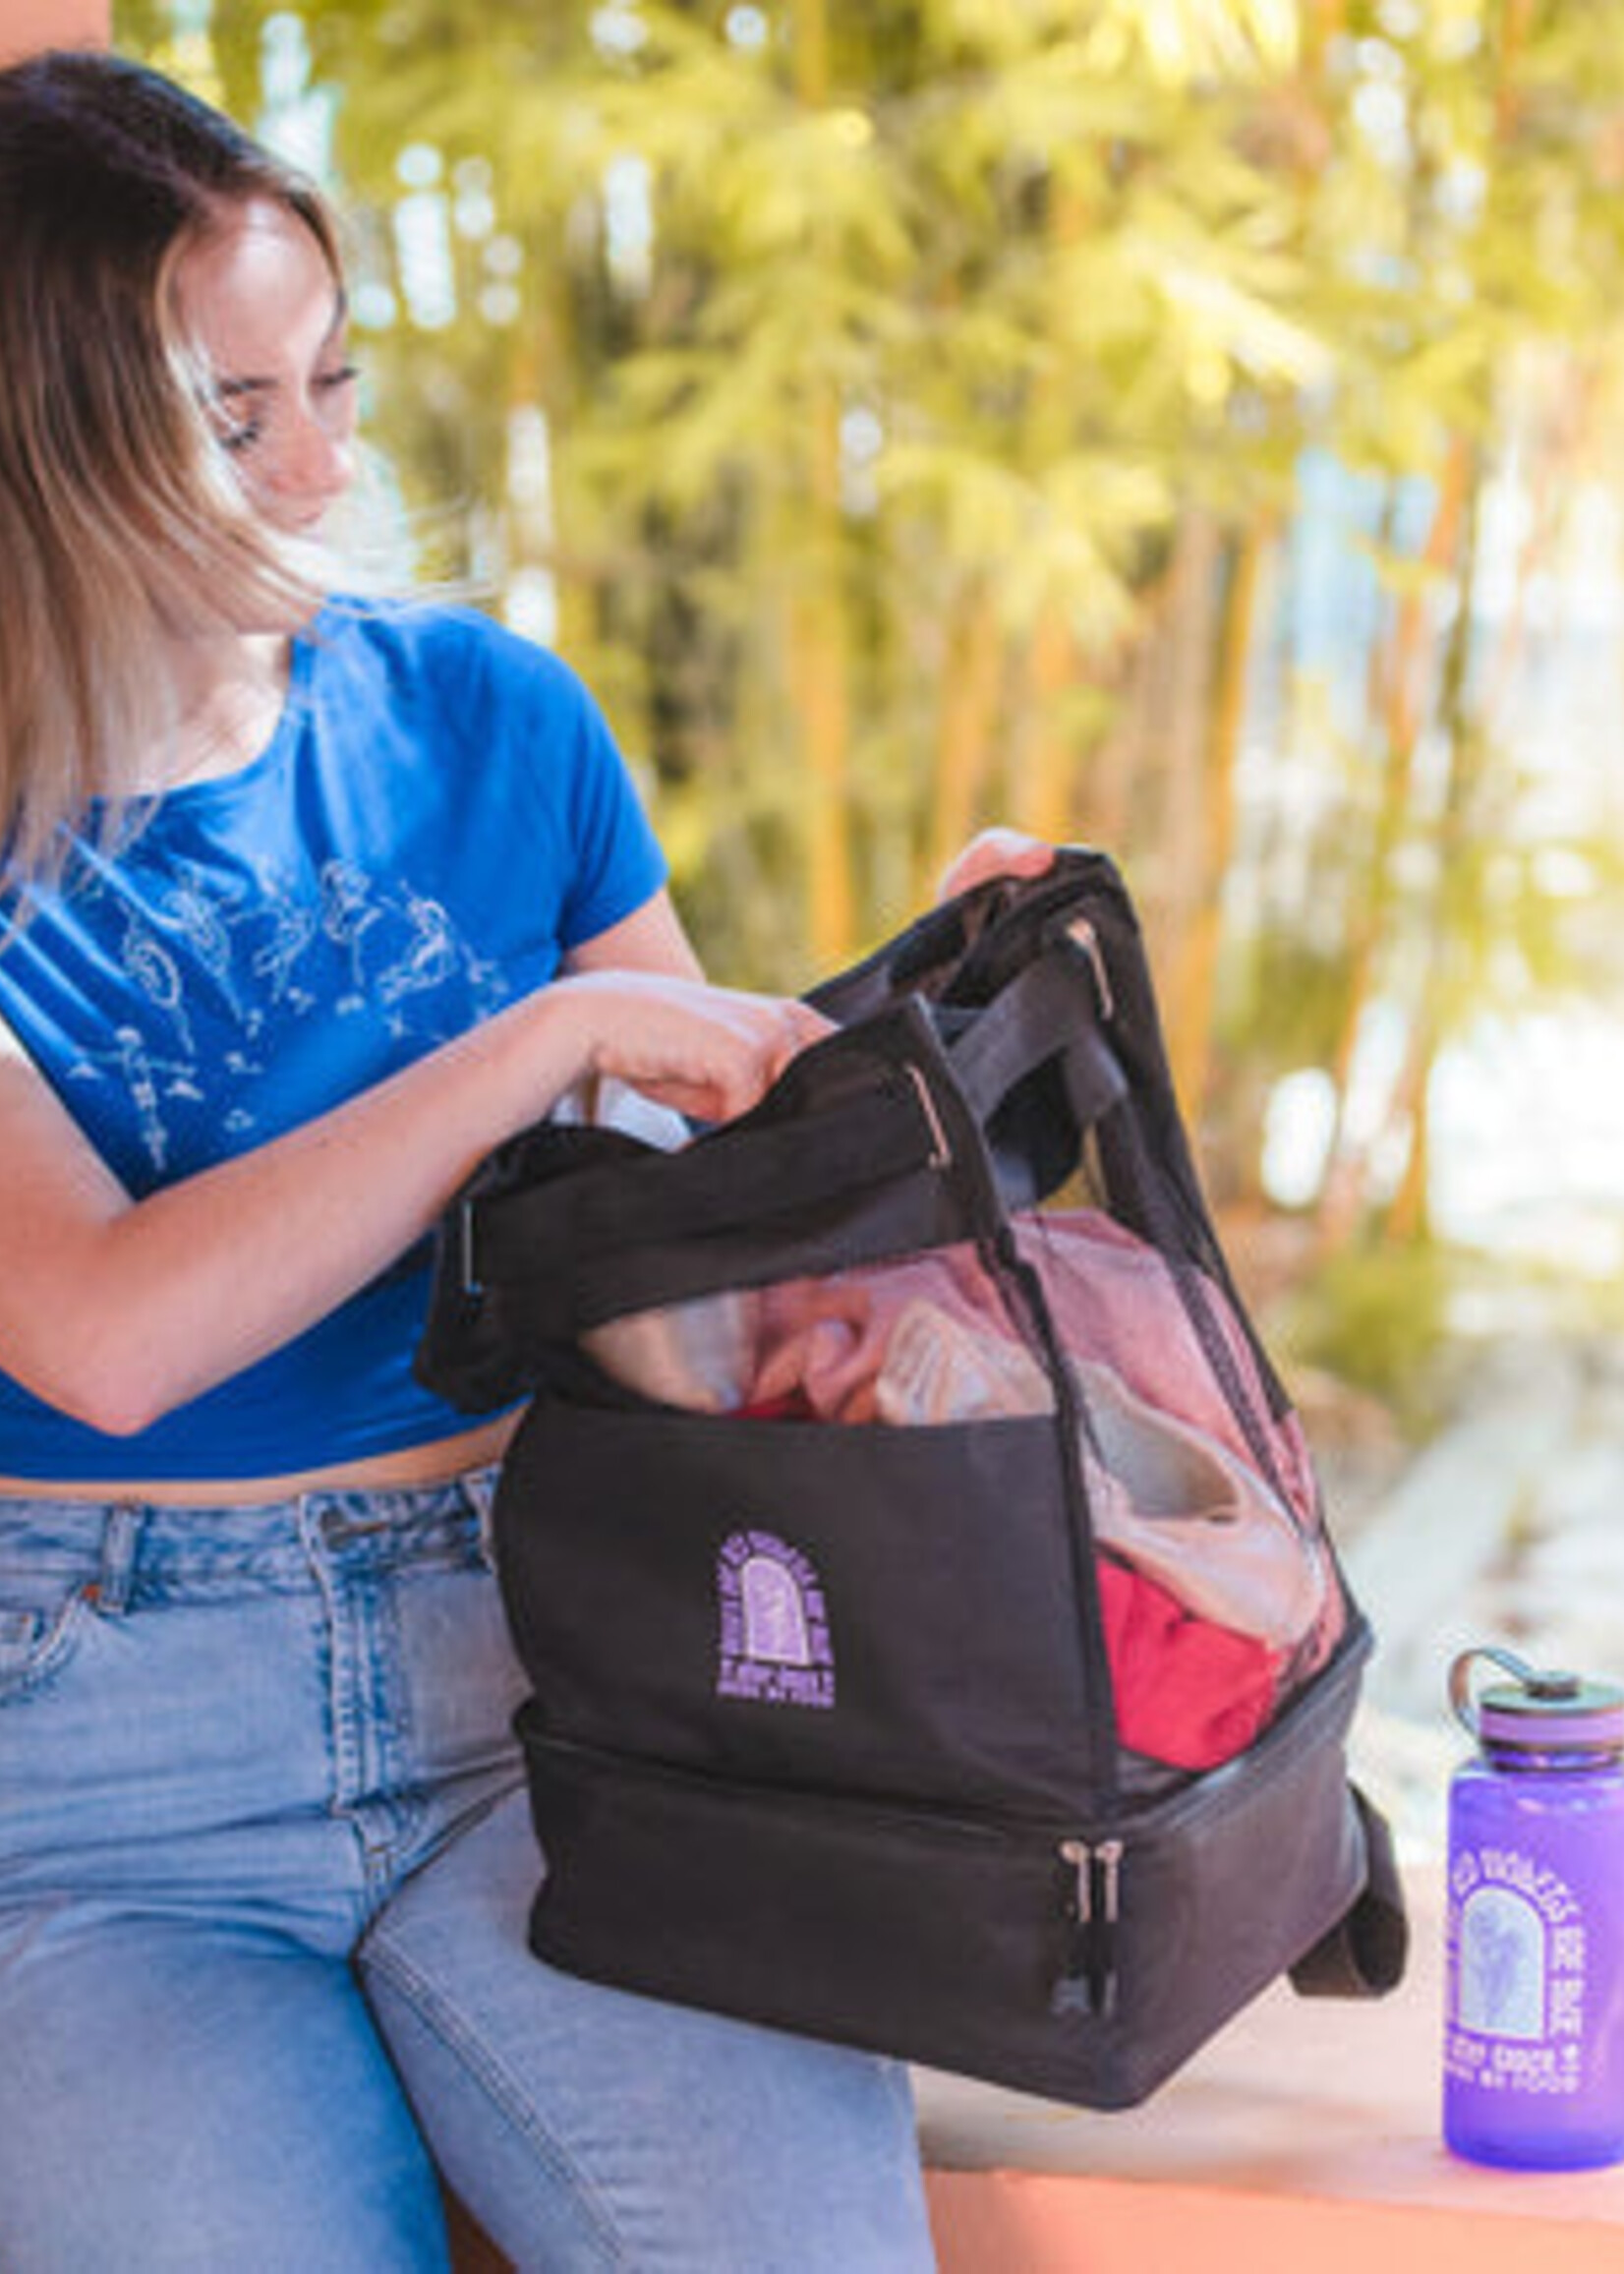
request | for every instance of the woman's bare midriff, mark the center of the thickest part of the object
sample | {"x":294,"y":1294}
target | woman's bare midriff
{"x":430,"y":1464}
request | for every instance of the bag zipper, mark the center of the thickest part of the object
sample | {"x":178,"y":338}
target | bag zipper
{"x":720,"y":1785}
{"x":1087,"y":1983}
{"x":1089,"y":1903}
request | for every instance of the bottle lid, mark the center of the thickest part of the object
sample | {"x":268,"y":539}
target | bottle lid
{"x":1537,"y":1710}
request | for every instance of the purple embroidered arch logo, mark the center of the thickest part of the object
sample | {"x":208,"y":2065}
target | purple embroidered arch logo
{"x":774,"y":1629}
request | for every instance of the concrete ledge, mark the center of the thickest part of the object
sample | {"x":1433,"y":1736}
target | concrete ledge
{"x":1031,"y":2223}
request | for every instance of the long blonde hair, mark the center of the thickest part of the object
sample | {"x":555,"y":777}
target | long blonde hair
{"x":120,"y":517}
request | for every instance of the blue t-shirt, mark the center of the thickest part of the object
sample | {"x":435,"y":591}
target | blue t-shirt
{"x":441,"y":816}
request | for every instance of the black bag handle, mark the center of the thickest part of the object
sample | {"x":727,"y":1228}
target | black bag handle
{"x":966,"y":950}
{"x":906,"y":1131}
{"x":976,"y":1051}
{"x":1048,"y":1015}
{"x":566,"y":1228}
{"x":854,"y":1116}
{"x":1034,"y":970}
{"x":799,"y":1156}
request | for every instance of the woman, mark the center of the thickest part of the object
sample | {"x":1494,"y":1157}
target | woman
{"x":308,"y":906}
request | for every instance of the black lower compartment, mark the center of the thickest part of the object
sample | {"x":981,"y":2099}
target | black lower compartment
{"x":940,"y":1938}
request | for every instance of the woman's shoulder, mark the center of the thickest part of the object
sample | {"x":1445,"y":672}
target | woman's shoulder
{"x":439,"y":645}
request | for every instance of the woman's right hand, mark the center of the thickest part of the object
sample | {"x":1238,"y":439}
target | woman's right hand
{"x":708,"y":1052}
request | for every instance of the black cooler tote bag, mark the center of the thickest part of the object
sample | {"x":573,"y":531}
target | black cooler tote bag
{"x":935,"y":1639}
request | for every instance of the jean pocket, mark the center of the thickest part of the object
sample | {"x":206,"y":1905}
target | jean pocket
{"x":39,"y":1630}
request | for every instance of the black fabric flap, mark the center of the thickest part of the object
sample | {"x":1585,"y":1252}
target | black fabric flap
{"x":1366,"y":1952}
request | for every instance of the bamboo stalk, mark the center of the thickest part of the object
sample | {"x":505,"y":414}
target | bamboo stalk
{"x":819,"y":658}
{"x":1194,"y":1005}
{"x":966,"y":723}
{"x":1398,"y":672}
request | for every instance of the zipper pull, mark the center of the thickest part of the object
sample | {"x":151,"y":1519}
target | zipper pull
{"x":1072,"y":1992}
{"x":1089,"y":1984}
{"x":1110,"y":1858}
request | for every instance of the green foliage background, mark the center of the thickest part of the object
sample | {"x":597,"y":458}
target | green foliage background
{"x":913,"y":414}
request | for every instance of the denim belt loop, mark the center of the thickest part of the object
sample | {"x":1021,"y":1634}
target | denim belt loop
{"x":120,"y":1543}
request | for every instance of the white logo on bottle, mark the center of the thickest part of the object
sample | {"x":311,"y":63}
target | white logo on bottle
{"x":1502,"y":1965}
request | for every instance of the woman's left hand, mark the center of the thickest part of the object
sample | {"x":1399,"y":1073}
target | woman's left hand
{"x":995,"y":852}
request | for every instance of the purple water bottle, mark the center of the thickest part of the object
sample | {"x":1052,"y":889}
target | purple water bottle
{"x":1533,"y":2047}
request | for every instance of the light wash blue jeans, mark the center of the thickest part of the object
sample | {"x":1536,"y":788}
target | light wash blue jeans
{"x":265,"y":1869}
